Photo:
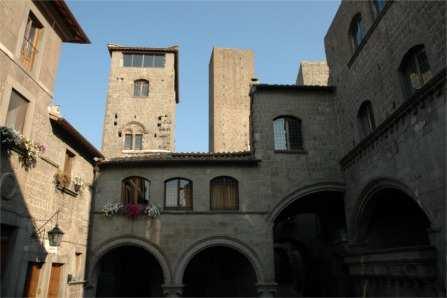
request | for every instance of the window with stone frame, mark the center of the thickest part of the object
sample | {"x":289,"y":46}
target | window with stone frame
{"x":144,"y":60}
{"x":224,"y":192}
{"x":141,"y":88}
{"x":178,"y":193}
{"x":415,"y":70}
{"x":17,"y":108}
{"x":287,"y":133}
{"x":356,"y":31}
{"x":135,"y":190}
{"x":31,"y":40}
{"x":133,"y":138}
{"x":365,"y":119}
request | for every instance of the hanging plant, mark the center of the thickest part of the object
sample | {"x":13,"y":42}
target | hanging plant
{"x":28,"y":150}
{"x":131,"y":210}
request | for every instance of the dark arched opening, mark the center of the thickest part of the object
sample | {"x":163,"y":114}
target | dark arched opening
{"x":307,"y":235}
{"x":129,"y":271}
{"x":393,"y":219}
{"x":219,"y":272}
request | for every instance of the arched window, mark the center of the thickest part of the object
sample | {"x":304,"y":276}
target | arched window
{"x":365,"y":119}
{"x":356,"y":31}
{"x":178,"y":193}
{"x":415,"y":69}
{"x":379,"y":5}
{"x":133,"y":136}
{"x":224,"y":193}
{"x":135,"y":190}
{"x":141,"y":88}
{"x":287,"y":133}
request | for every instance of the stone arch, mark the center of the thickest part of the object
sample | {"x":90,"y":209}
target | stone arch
{"x":229,"y":242}
{"x":132,"y":124}
{"x":360,"y":214}
{"x":130,"y":241}
{"x":303,"y":192}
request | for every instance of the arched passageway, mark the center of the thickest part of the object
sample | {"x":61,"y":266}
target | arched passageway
{"x":306,"y":235}
{"x":129,"y":271}
{"x":219,"y":272}
{"x":394,"y":254}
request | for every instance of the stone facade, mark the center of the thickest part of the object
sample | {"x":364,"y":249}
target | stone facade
{"x":31,"y":204}
{"x":153,"y":115}
{"x":313,"y":73}
{"x":230,"y":76}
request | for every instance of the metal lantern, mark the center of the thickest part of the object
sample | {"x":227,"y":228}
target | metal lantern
{"x":55,"y":236}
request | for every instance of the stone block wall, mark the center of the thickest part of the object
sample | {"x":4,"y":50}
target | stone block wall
{"x":230,"y":74}
{"x":314,"y":73}
{"x":154,"y":114}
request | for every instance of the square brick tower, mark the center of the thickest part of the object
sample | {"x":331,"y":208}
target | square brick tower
{"x":230,"y":75}
{"x":141,"y":101}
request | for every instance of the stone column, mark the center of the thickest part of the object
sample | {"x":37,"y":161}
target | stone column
{"x":266,"y":289}
{"x":172,"y":290}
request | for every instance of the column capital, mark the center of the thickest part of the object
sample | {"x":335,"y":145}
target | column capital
{"x":172,"y":290}
{"x":267,"y":289}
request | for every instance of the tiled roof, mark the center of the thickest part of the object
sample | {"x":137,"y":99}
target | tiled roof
{"x":181,"y":157}
{"x":255,"y":87}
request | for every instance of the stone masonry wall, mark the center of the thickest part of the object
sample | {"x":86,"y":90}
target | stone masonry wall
{"x":230,"y":74}
{"x":155,"y":113}
{"x":314,"y":73}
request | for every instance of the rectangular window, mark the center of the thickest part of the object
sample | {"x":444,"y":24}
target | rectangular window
{"x":31,"y":40}
{"x":17,"y":108}
{"x":279,"y":134}
{"x":128,"y":140}
{"x":144,"y":60}
{"x":68,"y":164}
{"x":138,"y":142}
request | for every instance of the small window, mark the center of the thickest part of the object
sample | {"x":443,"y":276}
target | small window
{"x":178,"y":193}
{"x":379,"y":5}
{"x":68,"y":164}
{"x":365,"y":119}
{"x":138,"y":142}
{"x":357,"y":31}
{"x":17,"y":108}
{"x":287,"y":133}
{"x":135,"y":190}
{"x":128,"y":141}
{"x":31,"y":40}
{"x":415,"y":69}
{"x":224,"y":193}
{"x":140,"y":88}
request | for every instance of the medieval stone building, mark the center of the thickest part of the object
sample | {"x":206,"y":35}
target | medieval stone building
{"x":333,"y":186}
{"x":46,"y":166}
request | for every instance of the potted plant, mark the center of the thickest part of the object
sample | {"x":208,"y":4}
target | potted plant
{"x":78,"y":183}
{"x":61,"y":179}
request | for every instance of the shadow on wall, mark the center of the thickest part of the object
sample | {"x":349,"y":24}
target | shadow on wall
{"x":23,"y":251}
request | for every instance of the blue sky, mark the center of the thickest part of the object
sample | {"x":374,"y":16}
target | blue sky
{"x":280,"y":33}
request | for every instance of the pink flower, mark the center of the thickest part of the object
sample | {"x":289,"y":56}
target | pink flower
{"x":133,"y":210}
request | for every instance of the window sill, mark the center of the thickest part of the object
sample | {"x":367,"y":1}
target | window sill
{"x":178,"y":209}
{"x":298,"y":151}
{"x":67,"y":190}
{"x":369,"y":33}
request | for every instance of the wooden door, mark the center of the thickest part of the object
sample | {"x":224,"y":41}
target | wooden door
{"x":53,"y":288}
{"x":32,"y":279}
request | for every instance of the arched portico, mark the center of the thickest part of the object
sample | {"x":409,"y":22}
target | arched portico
{"x":116,"y":244}
{"x":203,"y":244}
{"x":308,"y":225}
{"x":363,"y":210}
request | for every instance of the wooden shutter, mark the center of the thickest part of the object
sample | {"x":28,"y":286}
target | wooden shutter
{"x":32,"y":279}
{"x":53,"y":288}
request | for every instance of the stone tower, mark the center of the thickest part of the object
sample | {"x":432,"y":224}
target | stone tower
{"x":141,"y":101}
{"x":230,"y":75}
